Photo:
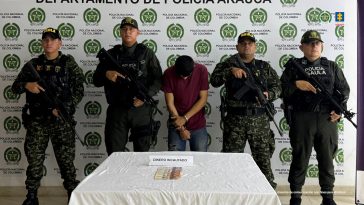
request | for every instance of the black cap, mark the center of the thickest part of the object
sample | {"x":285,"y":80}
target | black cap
{"x":311,"y":35}
{"x":51,"y":32}
{"x":246,"y":35}
{"x":129,"y":21}
{"x":184,"y":65}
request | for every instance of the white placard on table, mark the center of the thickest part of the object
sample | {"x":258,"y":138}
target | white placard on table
{"x":166,"y":160}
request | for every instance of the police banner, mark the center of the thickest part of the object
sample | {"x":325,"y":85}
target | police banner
{"x":207,"y":30}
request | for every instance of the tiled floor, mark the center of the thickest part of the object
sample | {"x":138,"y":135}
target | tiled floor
{"x":57,"y":196}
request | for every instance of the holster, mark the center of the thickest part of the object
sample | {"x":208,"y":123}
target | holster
{"x":155,"y":128}
{"x":25,"y":116}
{"x":288,"y":112}
{"x":272,"y":143}
{"x":223,"y":107}
{"x":150,"y":130}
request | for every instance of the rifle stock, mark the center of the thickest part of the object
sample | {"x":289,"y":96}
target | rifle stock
{"x":141,"y":89}
{"x":320,"y":89}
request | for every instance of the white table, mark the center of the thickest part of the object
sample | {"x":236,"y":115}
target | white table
{"x":125,"y":178}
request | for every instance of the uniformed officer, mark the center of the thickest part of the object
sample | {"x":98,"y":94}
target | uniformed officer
{"x":246,"y":117}
{"x":126,"y":111}
{"x":312,"y":119}
{"x":53,"y":83}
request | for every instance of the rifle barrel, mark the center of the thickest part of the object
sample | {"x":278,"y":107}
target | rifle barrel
{"x":347,"y":114}
{"x":103,"y":53}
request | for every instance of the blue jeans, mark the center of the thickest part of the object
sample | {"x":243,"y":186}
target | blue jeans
{"x":198,"y":140}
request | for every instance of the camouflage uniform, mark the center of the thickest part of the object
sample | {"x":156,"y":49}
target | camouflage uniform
{"x":65,"y":78}
{"x":246,"y":119}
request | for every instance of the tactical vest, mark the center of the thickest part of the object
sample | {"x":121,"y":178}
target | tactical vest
{"x":134,"y":63}
{"x":323,"y":73}
{"x":54,"y":78}
{"x":124,"y":92}
{"x":258,"y":70}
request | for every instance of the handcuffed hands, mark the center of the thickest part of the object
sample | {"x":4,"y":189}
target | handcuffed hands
{"x":179,"y":121}
{"x":184,"y":133}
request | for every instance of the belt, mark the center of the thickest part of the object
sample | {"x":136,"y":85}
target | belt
{"x":315,"y":108}
{"x":246,"y":111}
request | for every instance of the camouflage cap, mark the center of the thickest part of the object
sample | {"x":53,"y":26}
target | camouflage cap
{"x":246,"y":35}
{"x":51,"y":32}
{"x":311,"y":35}
{"x":129,"y":21}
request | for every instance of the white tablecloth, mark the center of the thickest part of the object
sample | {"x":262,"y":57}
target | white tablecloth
{"x":125,"y":178}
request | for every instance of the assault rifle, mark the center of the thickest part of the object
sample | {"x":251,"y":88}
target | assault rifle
{"x":51,"y":99}
{"x":142,"y":92}
{"x":251,"y":84}
{"x":321,"y":90}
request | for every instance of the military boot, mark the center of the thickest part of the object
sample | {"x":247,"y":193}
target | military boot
{"x":295,"y":197}
{"x":327,"y":197}
{"x":295,"y":201}
{"x":328,"y":201}
{"x":32,"y":198}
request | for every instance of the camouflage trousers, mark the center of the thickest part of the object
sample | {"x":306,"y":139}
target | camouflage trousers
{"x":62,"y":137}
{"x":255,"y":129}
